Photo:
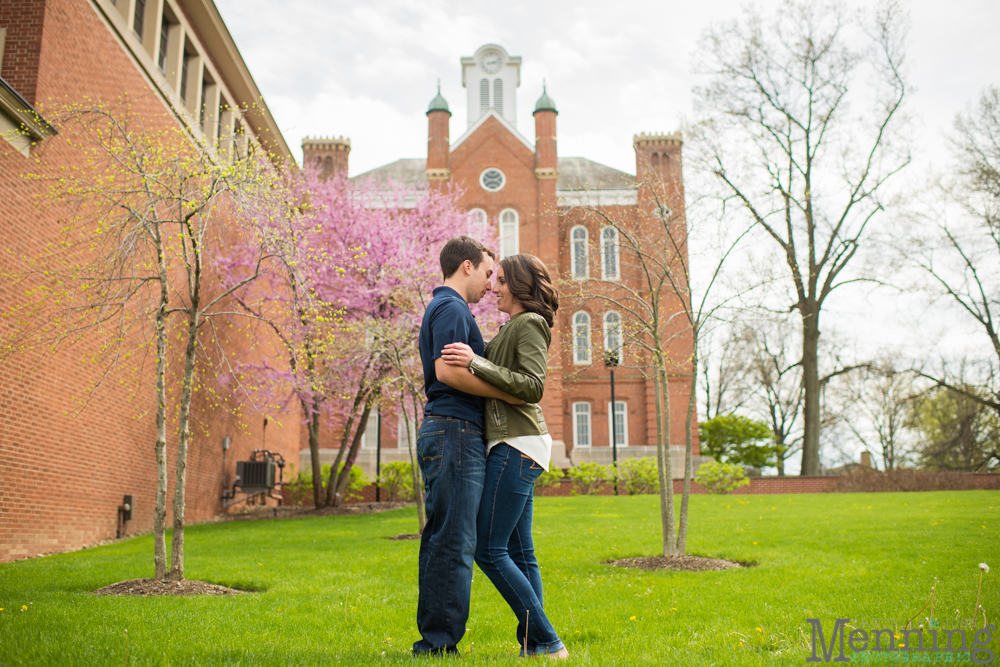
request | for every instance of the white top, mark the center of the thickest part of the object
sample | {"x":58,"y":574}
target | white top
{"x":538,"y":447}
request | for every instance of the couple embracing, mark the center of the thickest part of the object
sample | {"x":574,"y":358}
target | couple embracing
{"x":482,"y":445}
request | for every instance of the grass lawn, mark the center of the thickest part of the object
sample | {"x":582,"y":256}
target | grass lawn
{"x":334,"y":590}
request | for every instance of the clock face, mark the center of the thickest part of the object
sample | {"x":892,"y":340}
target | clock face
{"x":491,"y":62}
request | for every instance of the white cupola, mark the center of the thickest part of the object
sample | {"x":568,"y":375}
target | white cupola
{"x":491,"y":78}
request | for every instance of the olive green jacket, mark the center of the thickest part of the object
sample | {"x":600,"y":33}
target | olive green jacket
{"x":515,"y":363}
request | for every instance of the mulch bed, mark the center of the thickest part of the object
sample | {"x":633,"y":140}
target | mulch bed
{"x":151,"y":587}
{"x":678,"y":563}
{"x":404,"y":537}
{"x":261,"y":512}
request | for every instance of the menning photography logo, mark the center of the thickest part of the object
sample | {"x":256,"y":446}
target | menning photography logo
{"x":888,"y":645}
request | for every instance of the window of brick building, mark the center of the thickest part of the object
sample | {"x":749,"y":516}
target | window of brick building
{"x":184,"y":77}
{"x":609,"y":253}
{"x":581,"y":424}
{"x":578,"y":257}
{"x":478,"y":224}
{"x":581,"y":338}
{"x":621,"y":423}
{"x":509,"y":233}
{"x":139,"y":18}
{"x":370,"y":438}
{"x":613,"y":334}
{"x":161,"y":59}
{"x":404,"y":435}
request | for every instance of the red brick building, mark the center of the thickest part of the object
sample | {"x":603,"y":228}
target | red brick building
{"x":63,"y":477}
{"x":535,"y":198}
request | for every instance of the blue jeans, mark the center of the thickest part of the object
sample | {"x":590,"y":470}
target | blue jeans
{"x":505,"y":552}
{"x":452,"y":457}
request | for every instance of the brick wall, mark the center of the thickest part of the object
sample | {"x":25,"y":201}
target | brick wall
{"x":64,"y":468}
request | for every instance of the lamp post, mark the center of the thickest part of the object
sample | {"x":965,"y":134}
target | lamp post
{"x":378,"y":457}
{"x":611,"y":361}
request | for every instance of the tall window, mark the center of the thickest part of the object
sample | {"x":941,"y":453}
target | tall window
{"x":203,"y":109}
{"x":581,"y":424}
{"x":478,"y":224}
{"x":184,"y":77}
{"x":509,"y":242}
{"x":609,"y":253}
{"x":370,"y":438}
{"x":484,"y":96}
{"x":498,"y":95}
{"x":578,"y":250}
{"x":581,"y":338}
{"x":139,"y":18}
{"x":613,"y":334}
{"x":161,"y":60}
{"x":620,"y":425}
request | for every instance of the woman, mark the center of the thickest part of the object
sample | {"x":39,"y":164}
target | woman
{"x":518,"y":444}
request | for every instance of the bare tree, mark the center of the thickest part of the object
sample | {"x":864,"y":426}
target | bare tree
{"x":879,"y":401}
{"x":780,"y":135}
{"x":653,"y":289}
{"x":147,"y":219}
{"x":956,"y":245}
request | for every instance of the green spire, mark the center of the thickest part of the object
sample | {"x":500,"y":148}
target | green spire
{"x":545,"y":103}
{"x":439,"y":103}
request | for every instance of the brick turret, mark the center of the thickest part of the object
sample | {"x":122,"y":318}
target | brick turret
{"x":438,"y":142}
{"x":329,"y":154}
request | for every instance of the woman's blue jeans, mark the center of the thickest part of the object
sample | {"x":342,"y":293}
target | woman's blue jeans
{"x":504,"y":550}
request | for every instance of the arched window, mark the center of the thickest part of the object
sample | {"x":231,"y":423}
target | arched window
{"x":578,"y":252}
{"x":609,"y":253}
{"x":498,"y":95}
{"x":478,"y":224}
{"x":484,"y":96}
{"x":327,"y":165}
{"x":581,"y":338}
{"x":655,"y":162}
{"x":613,"y":334}
{"x":509,"y":232}
{"x":581,"y":424}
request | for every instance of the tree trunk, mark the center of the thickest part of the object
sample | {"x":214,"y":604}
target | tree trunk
{"x":664,"y":465}
{"x":160,"y":509}
{"x":180,"y":479}
{"x":811,"y":386}
{"x":345,"y":437}
{"x":317,"y":473}
{"x":688,"y":452}
{"x":344,"y":476}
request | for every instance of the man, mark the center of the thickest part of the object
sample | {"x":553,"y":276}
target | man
{"x":450,"y":446}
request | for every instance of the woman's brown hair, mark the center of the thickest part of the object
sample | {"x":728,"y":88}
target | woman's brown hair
{"x":530,"y":284}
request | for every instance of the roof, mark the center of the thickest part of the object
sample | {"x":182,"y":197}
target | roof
{"x":545,"y":103}
{"x":579,"y":173}
{"x":575,"y":173}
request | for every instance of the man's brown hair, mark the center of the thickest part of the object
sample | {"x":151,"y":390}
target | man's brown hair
{"x":461,"y":248}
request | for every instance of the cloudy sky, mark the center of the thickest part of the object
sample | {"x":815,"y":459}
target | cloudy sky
{"x":367,"y":70}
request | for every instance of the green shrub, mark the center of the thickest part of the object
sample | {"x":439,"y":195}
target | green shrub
{"x":396,"y":479}
{"x":548,"y":479}
{"x":300,"y":485}
{"x":588,"y":477}
{"x":721,"y":477}
{"x":639,"y":475}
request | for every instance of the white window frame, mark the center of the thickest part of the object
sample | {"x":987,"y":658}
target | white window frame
{"x":621,"y":336}
{"x":513,"y":233}
{"x":369,"y":439}
{"x":503,"y":179}
{"x":576,"y":425}
{"x":478,"y":227}
{"x":623,"y":417}
{"x":577,"y":271}
{"x":578,"y":358}
{"x":617,"y":272}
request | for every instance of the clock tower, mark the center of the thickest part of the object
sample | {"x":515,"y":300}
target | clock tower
{"x":491,"y":78}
